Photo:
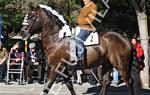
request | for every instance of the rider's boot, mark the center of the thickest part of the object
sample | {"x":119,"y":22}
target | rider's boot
{"x":80,"y":64}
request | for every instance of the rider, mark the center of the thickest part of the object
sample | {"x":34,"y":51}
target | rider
{"x":84,"y":21}
{"x":3,"y":59}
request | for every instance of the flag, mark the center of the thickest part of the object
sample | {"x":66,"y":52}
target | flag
{"x":1,"y":29}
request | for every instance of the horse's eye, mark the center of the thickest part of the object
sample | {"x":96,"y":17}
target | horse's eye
{"x":32,"y":12}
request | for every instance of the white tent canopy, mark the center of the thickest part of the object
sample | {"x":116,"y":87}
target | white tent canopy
{"x":17,"y":37}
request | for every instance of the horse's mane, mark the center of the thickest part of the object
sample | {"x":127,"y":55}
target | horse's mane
{"x":54,"y":15}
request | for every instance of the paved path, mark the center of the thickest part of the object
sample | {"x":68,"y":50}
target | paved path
{"x":59,"y":89}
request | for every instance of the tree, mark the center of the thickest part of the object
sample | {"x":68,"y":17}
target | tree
{"x":12,"y":14}
{"x":140,"y":9}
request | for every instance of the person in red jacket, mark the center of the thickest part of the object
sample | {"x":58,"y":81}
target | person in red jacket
{"x":139,"y":52}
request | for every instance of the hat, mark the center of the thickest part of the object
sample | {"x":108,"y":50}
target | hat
{"x":32,"y":45}
{"x":16,"y":45}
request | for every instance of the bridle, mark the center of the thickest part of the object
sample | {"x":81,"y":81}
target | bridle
{"x":28,"y":24}
{"x":31,"y":20}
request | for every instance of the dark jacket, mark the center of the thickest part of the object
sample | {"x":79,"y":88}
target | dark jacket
{"x":37,"y":56}
{"x":15,"y":55}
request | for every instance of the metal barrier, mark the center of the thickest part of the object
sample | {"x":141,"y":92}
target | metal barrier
{"x":19,"y":70}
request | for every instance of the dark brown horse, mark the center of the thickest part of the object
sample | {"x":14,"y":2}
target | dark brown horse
{"x":114,"y":51}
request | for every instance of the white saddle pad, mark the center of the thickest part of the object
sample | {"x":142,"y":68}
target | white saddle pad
{"x":65,"y":31}
{"x":93,"y":39}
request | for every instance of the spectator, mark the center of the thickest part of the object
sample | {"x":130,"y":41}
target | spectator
{"x":139,"y":53}
{"x":34,"y":60}
{"x":115,"y":75}
{"x":16,"y":56}
{"x":16,"y":52}
{"x":79,"y":79}
{"x":3,"y":58}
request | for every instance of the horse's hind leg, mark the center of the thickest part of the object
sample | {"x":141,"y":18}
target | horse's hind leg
{"x":100,"y":74}
{"x":105,"y":83}
{"x":126,"y":77}
{"x":52,"y":77}
{"x":104,"y":78}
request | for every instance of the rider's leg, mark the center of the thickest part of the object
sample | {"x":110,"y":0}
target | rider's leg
{"x":81,"y":50}
{"x":81,"y":37}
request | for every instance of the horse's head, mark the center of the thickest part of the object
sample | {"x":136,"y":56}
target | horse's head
{"x":41,"y":18}
{"x":32,"y":24}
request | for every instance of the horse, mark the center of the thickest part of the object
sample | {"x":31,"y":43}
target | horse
{"x":115,"y":50}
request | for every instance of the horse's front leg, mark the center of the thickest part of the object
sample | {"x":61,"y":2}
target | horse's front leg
{"x":51,"y":79}
{"x":69,"y":84}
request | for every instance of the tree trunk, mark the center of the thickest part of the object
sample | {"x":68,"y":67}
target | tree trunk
{"x":143,"y":31}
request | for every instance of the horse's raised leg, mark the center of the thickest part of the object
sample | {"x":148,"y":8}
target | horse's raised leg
{"x":105,"y":83}
{"x":100,"y":74}
{"x":52,"y":77}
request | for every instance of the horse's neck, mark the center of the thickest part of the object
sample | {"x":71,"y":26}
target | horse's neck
{"x":49,"y":38}
{"x":52,"y":43}
{"x":50,"y":32}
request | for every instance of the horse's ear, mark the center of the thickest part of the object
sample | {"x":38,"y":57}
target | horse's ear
{"x":32,"y":7}
{"x":38,"y":7}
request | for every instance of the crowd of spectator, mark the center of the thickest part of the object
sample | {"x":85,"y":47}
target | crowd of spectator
{"x":32,"y":60}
